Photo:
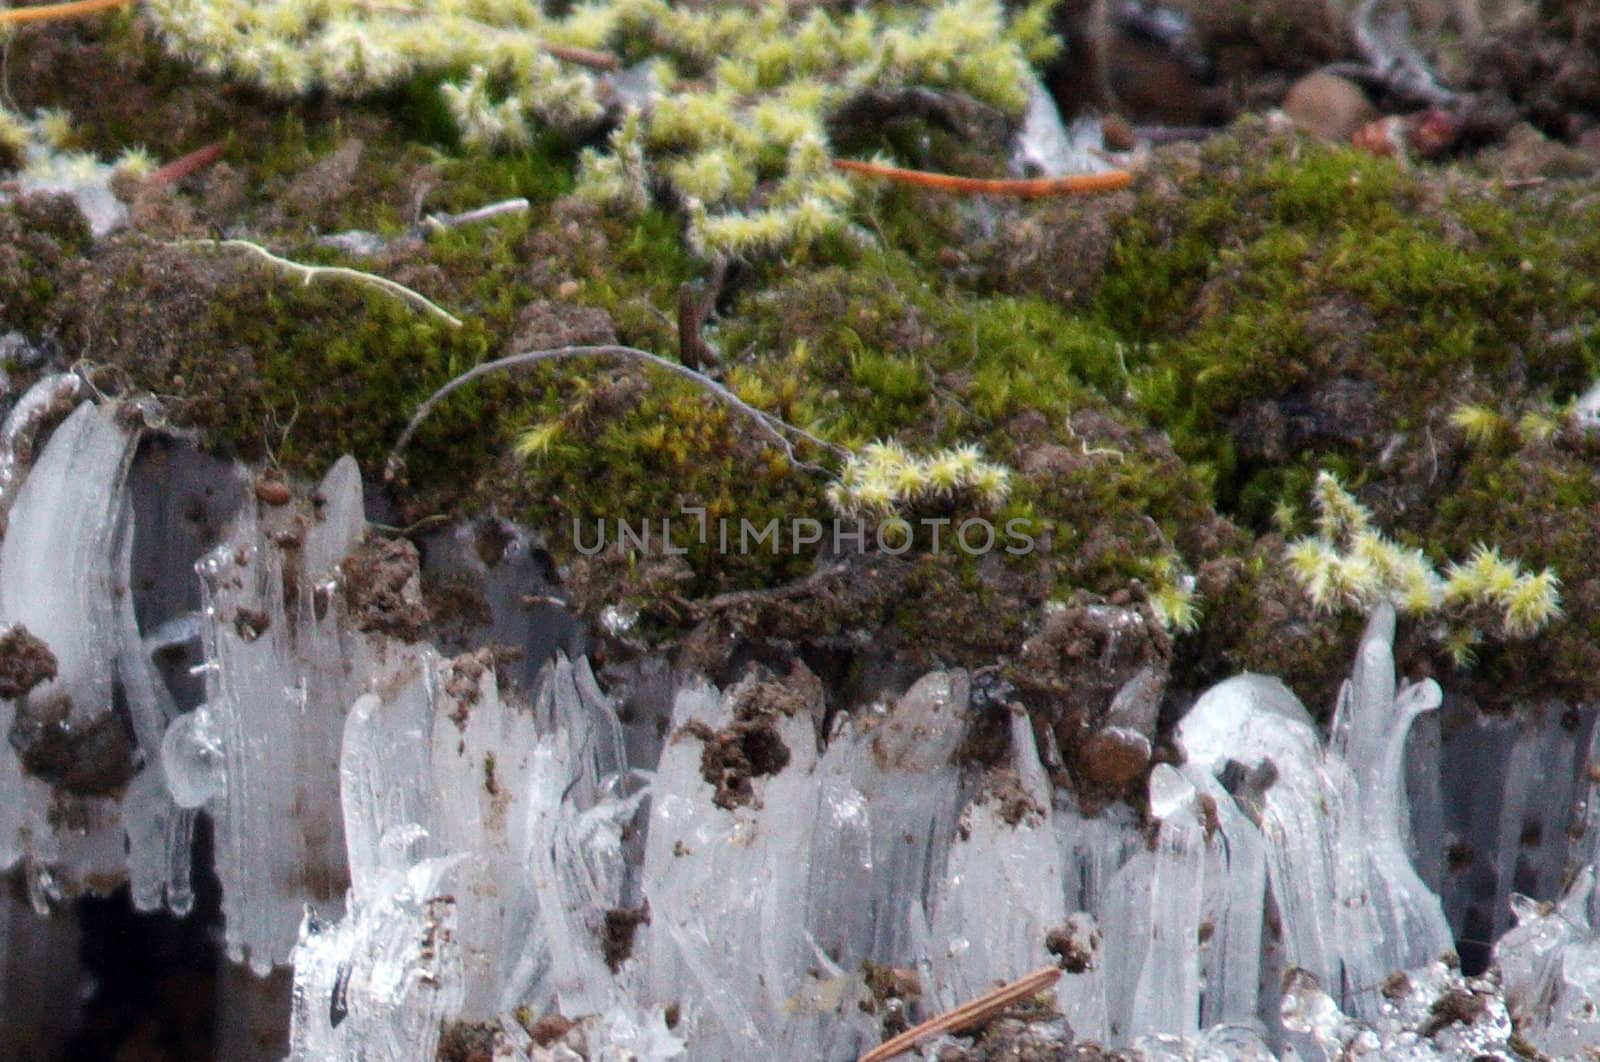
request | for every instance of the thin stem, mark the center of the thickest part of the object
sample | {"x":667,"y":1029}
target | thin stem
{"x":309,"y":273}
{"x":776,"y":429}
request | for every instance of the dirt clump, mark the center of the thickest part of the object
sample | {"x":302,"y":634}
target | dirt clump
{"x":381,"y":587}
{"x":94,"y":758}
{"x":467,"y":1041}
{"x":25,"y":661}
{"x":1076,"y":945}
{"x":616,"y":942}
{"x":1013,"y":803}
{"x":1456,"y":1005}
{"x":731,"y":757}
{"x":1026,"y":1032}
{"x":466,"y":673}
{"x":751,"y":746}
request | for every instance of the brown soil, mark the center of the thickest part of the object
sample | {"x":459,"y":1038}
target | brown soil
{"x":25,"y":661}
{"x":86,"y":760}
{"x":616,"y":942}
{"x":380,"y":579}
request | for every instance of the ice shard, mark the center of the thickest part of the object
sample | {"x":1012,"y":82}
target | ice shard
{"x":68,"y":759}
{"x":1352,"y":908}
{"x":282,"y":665}
{"x":1002,"y":893}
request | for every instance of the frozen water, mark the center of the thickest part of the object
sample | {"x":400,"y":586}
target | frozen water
{"x":469,"y":843}
{"x":192,"y":757}
{"x":281,"y":668}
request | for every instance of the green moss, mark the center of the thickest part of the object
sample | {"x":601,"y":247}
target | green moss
{"x":1289,"y":308}
{"x":1287,"y":265}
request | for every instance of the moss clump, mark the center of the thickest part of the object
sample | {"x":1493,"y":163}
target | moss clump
{"x":39,"y":237}
{"x":1290,"y":309}
{"x":1293,"y":298}
{"x":1164,"y":372}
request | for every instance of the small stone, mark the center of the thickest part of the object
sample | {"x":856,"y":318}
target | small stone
{"x":1118,"y":134}
{"x":270,"y":491}
{"x":1114,"y":757}
{"x":550,"y":1028}
{"x":1328,"y":106}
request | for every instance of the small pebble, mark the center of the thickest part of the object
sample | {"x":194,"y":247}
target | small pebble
{"x":273,"y":491}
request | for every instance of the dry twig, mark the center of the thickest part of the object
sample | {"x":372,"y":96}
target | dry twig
{"x":985,"y":1006}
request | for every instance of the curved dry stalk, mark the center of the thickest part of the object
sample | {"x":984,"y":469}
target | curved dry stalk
{"x":308,"y":273}
{"x":775,"y":428}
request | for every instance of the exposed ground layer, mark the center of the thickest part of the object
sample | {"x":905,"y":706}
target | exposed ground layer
{"x":1166,"y":368}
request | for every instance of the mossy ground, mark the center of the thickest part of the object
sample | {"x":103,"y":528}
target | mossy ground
{"x":1166,"y":369}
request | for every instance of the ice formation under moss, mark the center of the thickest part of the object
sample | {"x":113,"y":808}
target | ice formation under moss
{"x":429,"y":841}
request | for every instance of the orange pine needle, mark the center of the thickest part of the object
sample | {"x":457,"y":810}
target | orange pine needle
{"x":48,"y":12}
{"x":1026,"y":188}
{"x":966,"y":1015}
{"x":193,"y":162}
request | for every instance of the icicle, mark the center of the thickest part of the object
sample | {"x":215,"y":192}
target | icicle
{"x":1550,"y":966}
{"x":67,"y":757}
{"x":1167,"y":996}
{"x":281,"y":670}
{"x":379,"y":984}
{"x":720,"y":877}
{"x":46,"y":402}
{"x":1352,"y":907}
{"x":1387,"y":918}
{"x":1002,"y":892}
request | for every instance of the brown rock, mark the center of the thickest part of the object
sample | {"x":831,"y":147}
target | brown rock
{"x":271,"y":490}
{"x":1114,"y":757}
{"x":1328,"y":106}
